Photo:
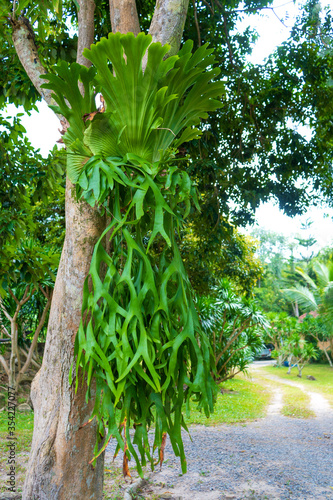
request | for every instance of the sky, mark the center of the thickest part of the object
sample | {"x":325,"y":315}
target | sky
{"x":42,"y":126}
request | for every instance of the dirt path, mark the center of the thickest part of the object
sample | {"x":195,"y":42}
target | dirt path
{"x":318,"y":404}
{"x":272,"y":458}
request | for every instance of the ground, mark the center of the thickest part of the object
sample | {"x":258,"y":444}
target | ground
{"x":276,"y":457}
{"x":272,"y":457}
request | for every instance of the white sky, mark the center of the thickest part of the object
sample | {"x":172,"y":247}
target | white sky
{"x":42,"y":127}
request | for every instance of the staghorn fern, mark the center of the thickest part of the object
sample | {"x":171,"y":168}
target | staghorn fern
{"x":139,"y":335}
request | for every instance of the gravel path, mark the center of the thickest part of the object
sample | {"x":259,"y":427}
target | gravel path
{"x":272,"y":458}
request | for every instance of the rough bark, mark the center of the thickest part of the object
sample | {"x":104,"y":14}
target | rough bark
{"x":24,"y":43}
{"x":58,"y":466}
{"x":86,"y":29}
{"x":124,"y":16}
{"x":168,"y":22}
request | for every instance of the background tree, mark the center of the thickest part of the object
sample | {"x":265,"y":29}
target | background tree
{"x":273,"y":250}
{"x":27,"y":265}
{"x":27,"y":270}
{"x":316,"y":295}
{"x":235,"y":327}
{"x":298,"y":352}
{"x":211,"y":255}
{"x":318,"y":329}
{"x":308,"y":241}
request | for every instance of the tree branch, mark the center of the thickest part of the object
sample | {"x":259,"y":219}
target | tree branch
{"x":13,"y":296}
{"x":236,"y":333}
{"x":124,"y":16}
{"x":4,"y":311}
{"x":4,"y":330}
{"x":86,"y":30}
{"x":231,"y":355}
{"x":24,"y":43}
{"x":227,"y":378}
{"x":43,"y":291}
{"x":168,"y":22}
{"x":33,"y":361}
{"x":4,"y":364}
{"x":27,"y":297}
{"x":226,"y":31}
{"x":34,"y":340}
{"x":196,"y":22}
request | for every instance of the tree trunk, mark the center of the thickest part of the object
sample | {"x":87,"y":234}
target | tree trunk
{"x":328,"y":357}
{"x":58,"y":466}
{"x":168,"y":22}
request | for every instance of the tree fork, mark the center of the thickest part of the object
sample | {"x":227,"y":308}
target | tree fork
{"x":24,"y":43}
{"x":58,"y":466}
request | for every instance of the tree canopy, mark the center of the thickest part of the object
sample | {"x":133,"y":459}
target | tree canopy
{"x":250,"y":150}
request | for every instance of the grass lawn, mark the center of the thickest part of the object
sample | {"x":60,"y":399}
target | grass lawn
{"x":296,"y":403}
{"x":245,"y":401}
{"x":322,"y":373}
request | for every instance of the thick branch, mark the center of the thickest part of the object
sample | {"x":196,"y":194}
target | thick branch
{"x":34,"y":341}
{"x":4,"y":364}
{"x":4,"y":311}
{"x":168,"y":22}
{"x":124,"y":16}
{"x":196,"y":22}
{"x":33,"y":361}
{"x":228,"y":377}
{"x":4,"y":331}
{"x":235,"y":334}
{"x":24,"y":43}
{"x":44,"y":292}
{"x":231,"y":355}
{"x":16,"y":300}
{"x":86,"y":29}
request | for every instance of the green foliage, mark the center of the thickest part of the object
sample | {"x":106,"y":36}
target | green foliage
{"x":234,"y":326}
{"x":317,"y":293}
{"x":27,"y":263}
{"x":298,"y":351}
{"x":139,"y":336}
{"x":26,"y":178}
{"x":263,"y":104}
{"x":213,"y":251}
{"x":278,"y":270}
{"x":282,"y":327}
{"x":252,"y":149}
{"x":27,"y":181}
{"x":29,"y":251}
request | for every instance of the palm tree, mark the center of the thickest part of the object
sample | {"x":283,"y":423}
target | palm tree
{"x":317,"y":295}
{"x":234,"y":326}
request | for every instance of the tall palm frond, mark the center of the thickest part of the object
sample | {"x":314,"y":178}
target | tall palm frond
{"x":303,"y":296}
{"x":306,"y":277}
{"x":322,"y":273}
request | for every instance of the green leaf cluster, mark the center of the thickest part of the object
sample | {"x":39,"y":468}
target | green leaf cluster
{"x":235,"y":327}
